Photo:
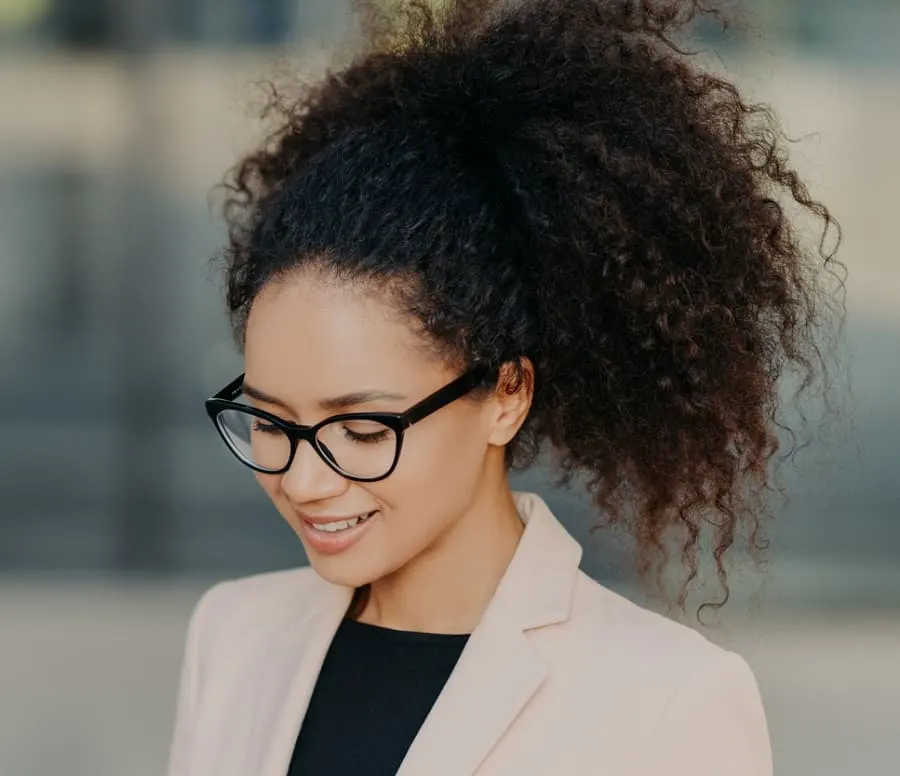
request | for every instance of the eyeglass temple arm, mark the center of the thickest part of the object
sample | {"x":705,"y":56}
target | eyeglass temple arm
{"x":231,"y":391}
{"x":458,"y":388}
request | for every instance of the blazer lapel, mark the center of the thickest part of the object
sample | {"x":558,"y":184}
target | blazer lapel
{"x":290,"y":676}
{"x":500,"y":670}
{"x":497,"y":674}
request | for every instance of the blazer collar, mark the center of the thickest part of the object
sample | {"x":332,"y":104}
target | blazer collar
{"x":537,"y":588}
{"x":500,"y":670}
{"x":497,"y":674}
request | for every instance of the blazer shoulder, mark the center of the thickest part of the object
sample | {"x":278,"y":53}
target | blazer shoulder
{"x":253,"y":602}
{"x":230,"y":628}
{"x":610,"y":641}
{"x":631,"y":669}
{"x":601,"y":613}
{"x":260,"y":587}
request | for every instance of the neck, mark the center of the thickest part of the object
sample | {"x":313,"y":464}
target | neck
{"x":447,"y":588}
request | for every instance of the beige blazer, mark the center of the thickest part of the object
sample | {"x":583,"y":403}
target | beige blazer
{"x":561,"y":677}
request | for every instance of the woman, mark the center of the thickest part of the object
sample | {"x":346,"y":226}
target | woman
{"x":501,"y":229}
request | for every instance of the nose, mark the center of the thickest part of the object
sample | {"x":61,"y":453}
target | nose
{"x":311,"y":479}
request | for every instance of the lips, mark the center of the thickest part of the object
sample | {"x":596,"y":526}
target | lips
{"x":334,"y":534}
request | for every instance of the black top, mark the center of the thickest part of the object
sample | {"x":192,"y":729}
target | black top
{"x":373,"y":693}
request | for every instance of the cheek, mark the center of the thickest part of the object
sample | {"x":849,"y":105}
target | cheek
{"x":271,"y":485}
{"x":440,"y":462}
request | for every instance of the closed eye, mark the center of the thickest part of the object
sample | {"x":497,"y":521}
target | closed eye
{"x":367,"y":438}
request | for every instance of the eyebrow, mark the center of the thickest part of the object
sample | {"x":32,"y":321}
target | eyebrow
{"x":342,"y":402}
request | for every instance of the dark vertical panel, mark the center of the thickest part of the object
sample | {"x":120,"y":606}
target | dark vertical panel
{"x":145,"y":340}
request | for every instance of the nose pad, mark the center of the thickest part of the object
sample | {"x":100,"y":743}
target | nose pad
{"x":309,"y":478}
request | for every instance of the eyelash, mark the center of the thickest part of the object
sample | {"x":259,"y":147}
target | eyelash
{"x":373,"y":438}
{"x":269,"y":428}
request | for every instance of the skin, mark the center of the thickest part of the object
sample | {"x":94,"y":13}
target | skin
{"x":446,"y":527}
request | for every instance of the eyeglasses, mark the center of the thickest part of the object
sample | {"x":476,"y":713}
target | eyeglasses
{"x":361,"y":446}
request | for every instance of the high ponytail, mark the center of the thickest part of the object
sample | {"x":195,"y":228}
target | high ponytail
{"x":555,"y":180}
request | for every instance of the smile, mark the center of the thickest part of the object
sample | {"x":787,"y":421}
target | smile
{"x":330,"y":536}
{"x":340,"y":525}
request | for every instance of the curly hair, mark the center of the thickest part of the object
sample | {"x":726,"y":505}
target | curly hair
{"x":558,"y":180}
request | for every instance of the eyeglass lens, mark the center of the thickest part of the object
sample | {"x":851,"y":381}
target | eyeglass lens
{"x":358,"y":447}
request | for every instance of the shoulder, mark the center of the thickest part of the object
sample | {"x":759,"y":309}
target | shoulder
{"x":640,"y":671}
{"x":231,"y":628}
{"x":602,"y":617}
{"x":248,"y":593}
{"x":612,"y":631}
{"x":236,"y":608}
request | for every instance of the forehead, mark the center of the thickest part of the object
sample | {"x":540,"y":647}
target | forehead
{"x":309,"y":338}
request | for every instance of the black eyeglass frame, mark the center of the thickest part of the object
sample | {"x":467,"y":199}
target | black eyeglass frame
{"x":398,"y":422}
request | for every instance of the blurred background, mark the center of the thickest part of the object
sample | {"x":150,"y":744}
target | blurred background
{"x":119,"y":503}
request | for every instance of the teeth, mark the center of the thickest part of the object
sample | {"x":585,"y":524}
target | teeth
{"x":339,"y":525}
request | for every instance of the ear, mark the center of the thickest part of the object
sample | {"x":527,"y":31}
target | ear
{"x":511,"y":401}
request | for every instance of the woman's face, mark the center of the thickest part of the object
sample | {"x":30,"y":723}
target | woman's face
{"x":309,"y":342}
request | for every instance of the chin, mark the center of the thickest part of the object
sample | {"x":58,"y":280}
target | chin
{"x":342,"y":571}
{"x":350,"y":558}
